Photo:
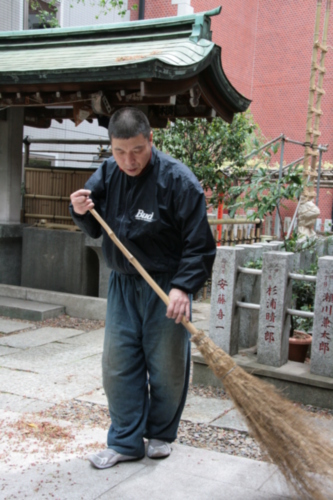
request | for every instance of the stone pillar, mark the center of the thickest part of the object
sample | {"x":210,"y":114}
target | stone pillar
{"x":275,"y":297}
{"x":250,"y":292}
{"x":11,"y":135}
{"x":322,"y":338}
{"x":224,"y":317}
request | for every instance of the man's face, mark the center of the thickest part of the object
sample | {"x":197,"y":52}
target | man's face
{"x":132,"y":155}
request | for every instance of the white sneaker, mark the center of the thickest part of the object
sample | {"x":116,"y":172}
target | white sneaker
{"x":158,"y":449}
{"x":108,"y":458}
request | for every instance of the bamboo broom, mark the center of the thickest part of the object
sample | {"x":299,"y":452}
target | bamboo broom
{"x":282,"y":429}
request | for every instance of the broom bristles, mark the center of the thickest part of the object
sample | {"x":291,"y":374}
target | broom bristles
{"x":282,"y":430}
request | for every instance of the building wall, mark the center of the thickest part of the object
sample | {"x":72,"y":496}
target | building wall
{"x":284,"y":41}
{"x":266,"y":55}
{"x":234,"y":30}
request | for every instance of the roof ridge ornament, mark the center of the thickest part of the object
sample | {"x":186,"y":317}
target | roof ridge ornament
{"x":201,"y":26}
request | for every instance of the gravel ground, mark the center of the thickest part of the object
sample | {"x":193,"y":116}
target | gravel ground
{"x":191,"y":434}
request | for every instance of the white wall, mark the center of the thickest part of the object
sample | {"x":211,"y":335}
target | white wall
{"x":11,"y":15}
{"x":67,"y":130}
{"x":184,"y":7}
{"x":85,"y":15}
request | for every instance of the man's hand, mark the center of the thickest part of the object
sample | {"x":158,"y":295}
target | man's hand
{"x":81,"y":201}
{"x":179,"y":305}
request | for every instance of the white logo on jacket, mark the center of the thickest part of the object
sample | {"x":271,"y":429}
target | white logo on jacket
{"x":141,"y":215}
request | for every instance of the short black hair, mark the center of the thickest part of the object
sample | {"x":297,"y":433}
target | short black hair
{"x":126,"y":123}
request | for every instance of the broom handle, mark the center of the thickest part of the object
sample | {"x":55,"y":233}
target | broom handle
{"x":188,"y":325}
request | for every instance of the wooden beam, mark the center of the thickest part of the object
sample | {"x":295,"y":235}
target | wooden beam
{"x":216,"y":102}
{"x":165,"y":88}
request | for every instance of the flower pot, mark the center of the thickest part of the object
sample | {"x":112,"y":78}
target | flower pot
{"x":298,"y":346}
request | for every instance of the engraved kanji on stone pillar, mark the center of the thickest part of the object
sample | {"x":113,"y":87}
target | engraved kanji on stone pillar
{"x":275,"y":298}
{"x":322,"y":337}
{"x":224,"y":319}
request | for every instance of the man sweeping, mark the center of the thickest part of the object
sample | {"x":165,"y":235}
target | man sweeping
{"x":156,"y":207}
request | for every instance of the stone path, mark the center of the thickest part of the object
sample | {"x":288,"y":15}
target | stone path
{"x":44,"y":457}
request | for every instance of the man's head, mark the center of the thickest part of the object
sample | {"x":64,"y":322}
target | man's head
{"x":131,"y":140}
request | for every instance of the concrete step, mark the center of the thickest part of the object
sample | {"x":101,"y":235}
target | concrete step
{"x":28,"y":309}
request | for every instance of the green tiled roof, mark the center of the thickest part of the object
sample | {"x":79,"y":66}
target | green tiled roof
{"x":99,"y":57}
{"x":178,"y":52}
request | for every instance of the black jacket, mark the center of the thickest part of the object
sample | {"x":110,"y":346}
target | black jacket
{"x":160,"y":216}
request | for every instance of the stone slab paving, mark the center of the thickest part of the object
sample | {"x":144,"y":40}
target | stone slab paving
{"x":10,"y":325}
{"x":59,"y":385}
{"x":202,"y":325}
{"x":37,"y":337}
{"x":201,"y":308}
{"x":231,"y":420}
{"x":204,"y":410}
{"x":49,"y":357}
{"x":7,"y":351}
{"x":92,"y":338}
{"x":15,"y":403}
{"x":72,"y":479}
{"x":68,"y":366}
{"x":97,"y":397}
{"x":34,"y":470}
{"x":323,"y":423}
{"x":197,"y":317}
{"x":193,"y":474}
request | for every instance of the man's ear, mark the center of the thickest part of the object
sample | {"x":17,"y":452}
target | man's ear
{"x":151,"y":137}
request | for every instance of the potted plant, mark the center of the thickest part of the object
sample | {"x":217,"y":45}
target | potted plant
{"x":301,"y":328}
{"x":300,"y":339}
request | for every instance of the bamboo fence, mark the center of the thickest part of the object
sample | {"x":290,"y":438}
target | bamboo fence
{"x":47,"y":192}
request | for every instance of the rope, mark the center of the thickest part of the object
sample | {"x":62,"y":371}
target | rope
{"x":228,"y":372}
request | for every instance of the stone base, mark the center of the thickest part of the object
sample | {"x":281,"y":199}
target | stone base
{"x":293,"y":379}
{"x":10,"y":253}
{"x":59,"y":261}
